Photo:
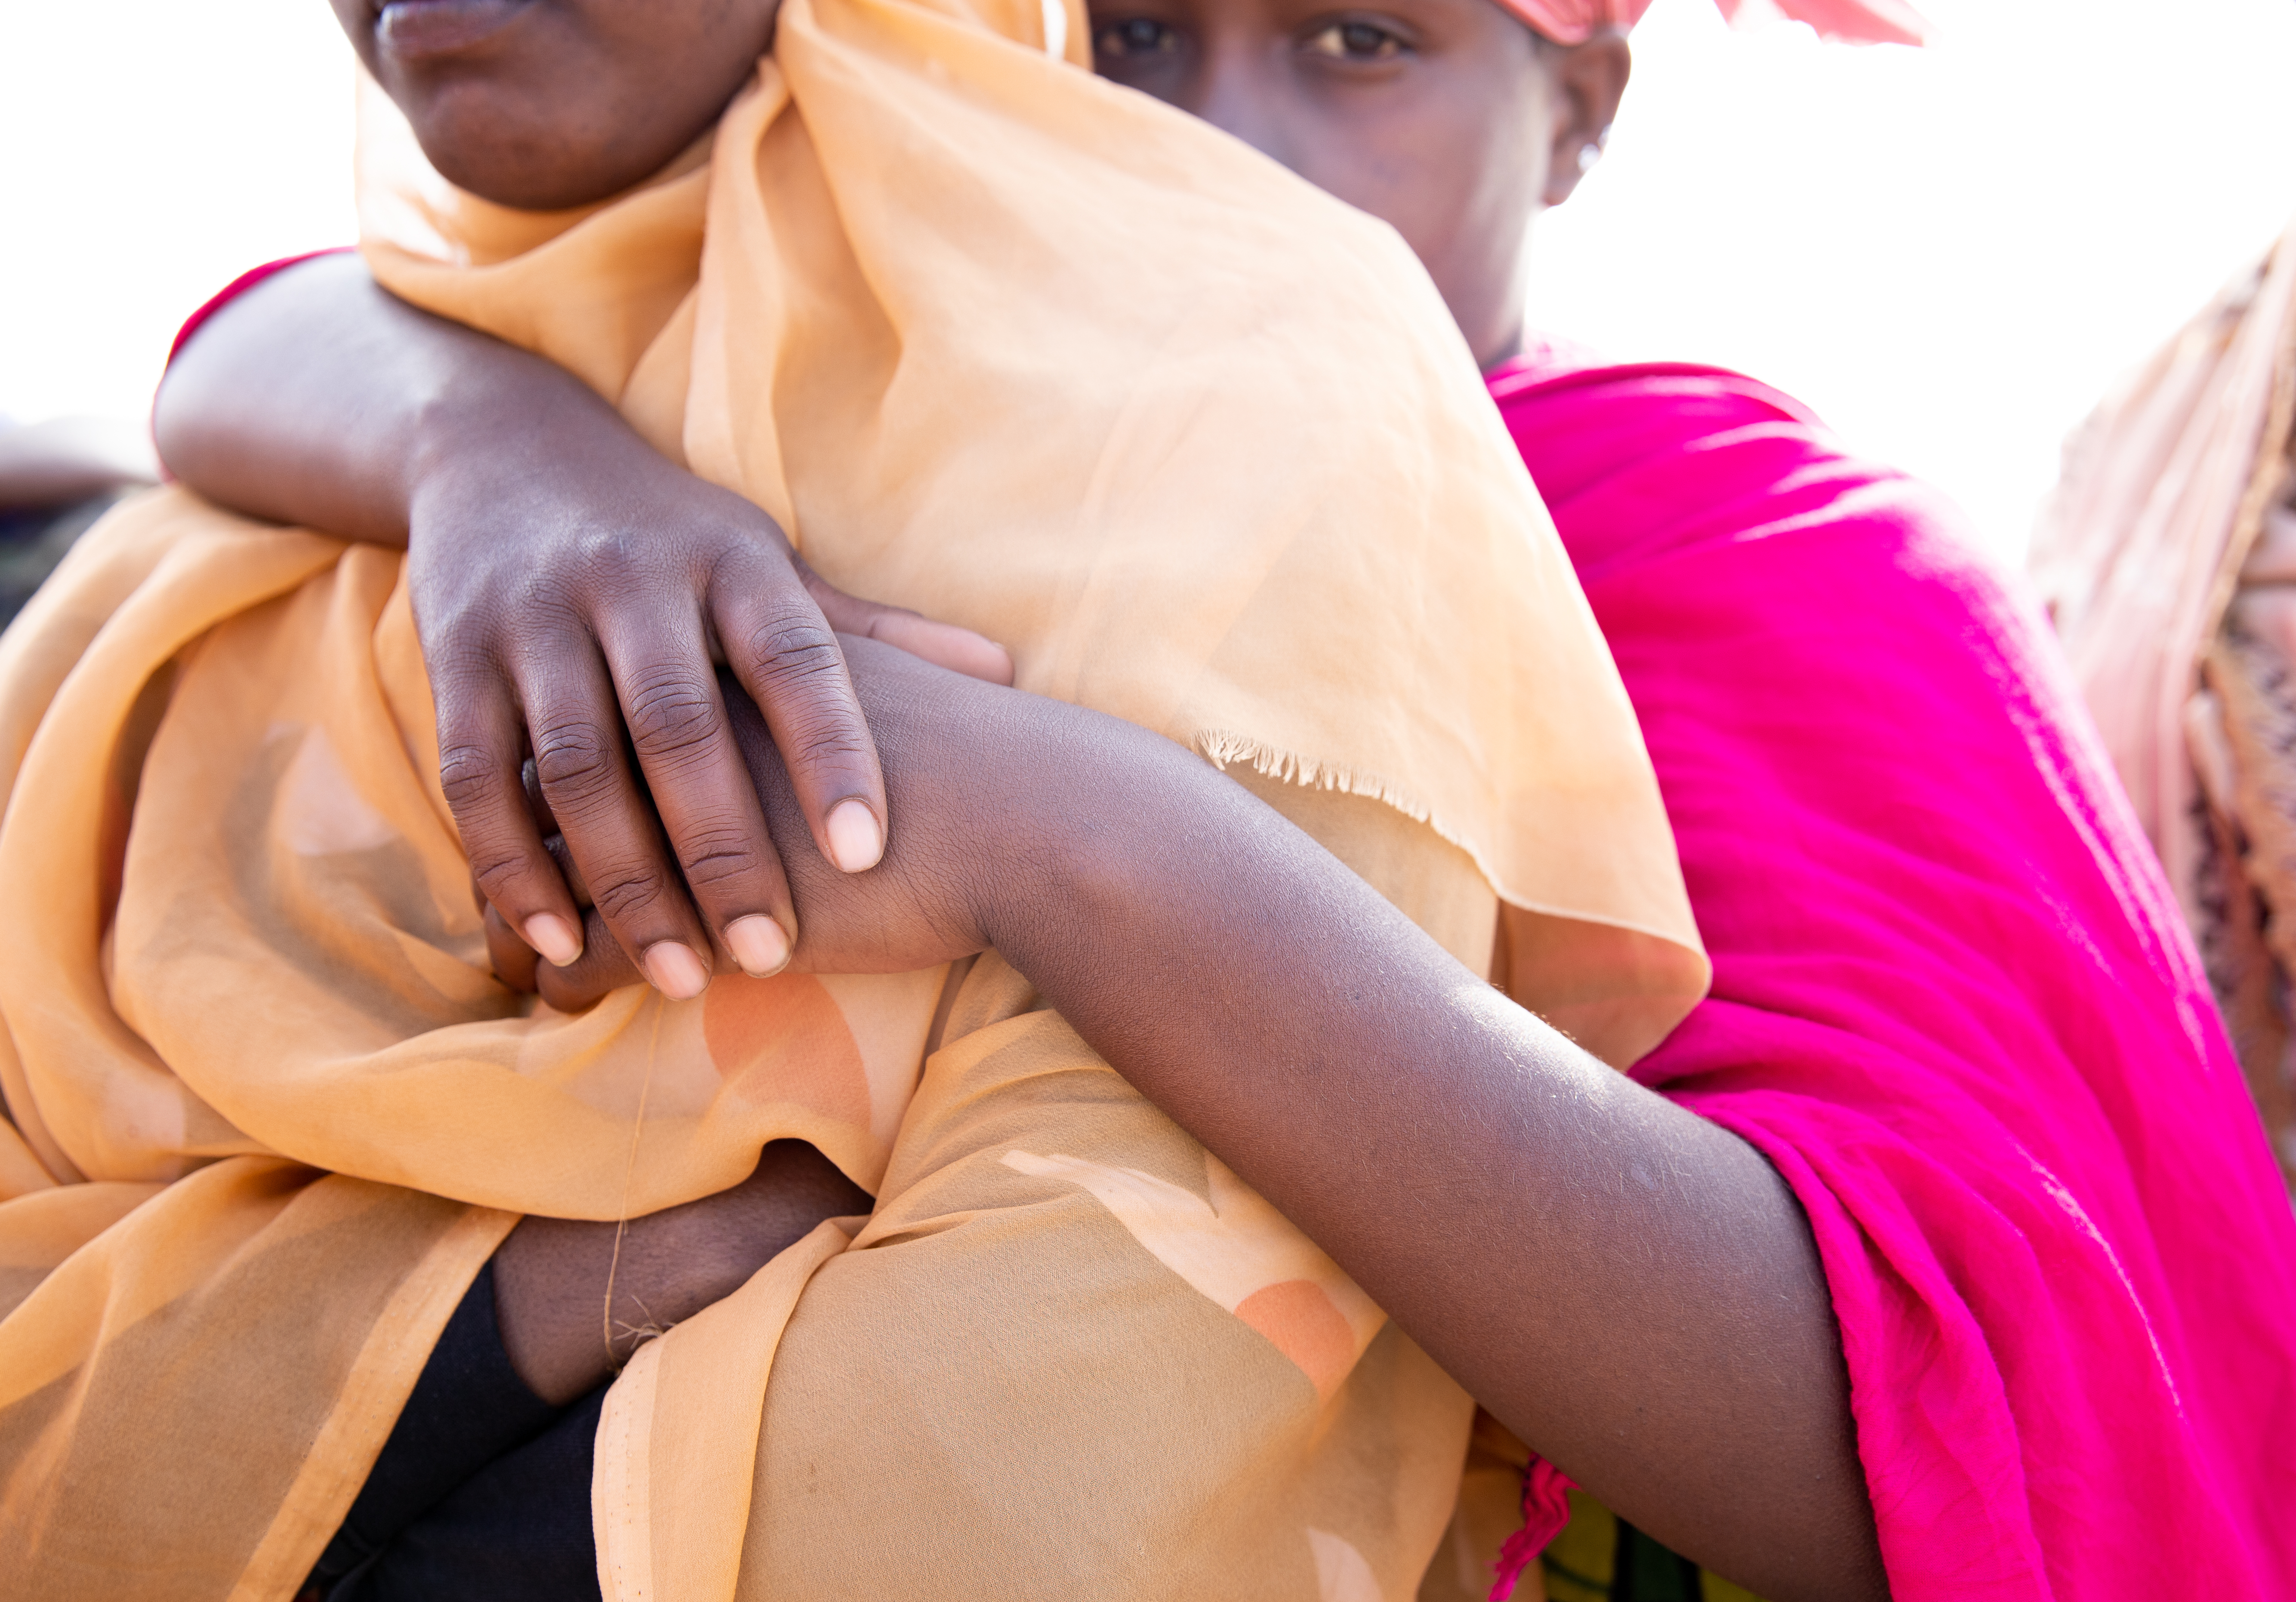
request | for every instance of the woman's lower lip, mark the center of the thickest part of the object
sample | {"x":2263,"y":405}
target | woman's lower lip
{"x":411,"y":30}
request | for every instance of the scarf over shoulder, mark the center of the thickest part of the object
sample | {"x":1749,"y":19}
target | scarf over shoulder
{"x":993,"y":339}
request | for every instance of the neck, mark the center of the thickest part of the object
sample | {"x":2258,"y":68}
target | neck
{"x":1501,"y":351}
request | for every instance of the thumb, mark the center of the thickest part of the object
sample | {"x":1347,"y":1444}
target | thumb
{"x":943,"y":644}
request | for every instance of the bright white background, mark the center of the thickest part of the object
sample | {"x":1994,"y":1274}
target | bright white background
{"x":1950,"y":253}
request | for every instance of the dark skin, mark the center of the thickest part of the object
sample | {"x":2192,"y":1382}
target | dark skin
{"x":1557,"y":1218}
{"x":543,"y":104}
{"x":1447,"y":118}
{"x":1629,"y":1287}
{"x":586,"y":644}
{"x":318,"y":399}
{"x":553,"y":1276}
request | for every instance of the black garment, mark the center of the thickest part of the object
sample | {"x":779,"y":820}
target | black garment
{"x":482,"y":1491}
{"x":34,"y":539}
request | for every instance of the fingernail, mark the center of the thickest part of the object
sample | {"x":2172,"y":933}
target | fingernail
{"x":558,"y":941}
{"x":675,"y":971}
{"x":759,"y":945}
{"x":854,"y":840}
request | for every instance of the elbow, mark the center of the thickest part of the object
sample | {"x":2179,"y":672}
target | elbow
{"x":174,"y":430}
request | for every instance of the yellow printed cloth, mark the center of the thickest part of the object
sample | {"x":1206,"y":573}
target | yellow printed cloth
{"x":993,"y":339}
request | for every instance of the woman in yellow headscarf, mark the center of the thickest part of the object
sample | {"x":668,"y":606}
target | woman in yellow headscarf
{"x":273,"y":1113}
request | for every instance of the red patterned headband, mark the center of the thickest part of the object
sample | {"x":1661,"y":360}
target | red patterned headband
{"x":1860,"y":21}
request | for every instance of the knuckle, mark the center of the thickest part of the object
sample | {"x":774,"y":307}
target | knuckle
{"x":794,"y":647}
{"x":715,"y":855}
{"x":499,"y":875}
{"x":610,"y":555}
{"x":742,"y":564}
{"x":627,"y":895}
{"x":471,"y":776}
{"x":573,"y":761}
{"x":543,"y":637}
{"x":669,"y":712}
{"x":834,"y":742}
{"x":542,"y":644}
{"x":462,"y":674}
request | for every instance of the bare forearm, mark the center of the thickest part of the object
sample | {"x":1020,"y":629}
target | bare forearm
{"x":1629,"y":1287}
{"x":317,"y":398}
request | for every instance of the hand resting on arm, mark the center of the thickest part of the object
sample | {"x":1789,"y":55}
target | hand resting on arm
{"x":1629,"y":1288}
{"x":569,"y":584}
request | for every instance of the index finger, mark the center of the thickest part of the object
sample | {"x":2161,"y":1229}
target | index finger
{"x":699,"y":789}
{"x":783,"y":652}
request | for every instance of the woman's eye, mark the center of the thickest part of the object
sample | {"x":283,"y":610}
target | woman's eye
{"x":1355,"y":42}
{"x":1134,"y":37}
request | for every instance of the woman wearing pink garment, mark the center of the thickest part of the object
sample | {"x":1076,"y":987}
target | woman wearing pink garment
{"x":1937,"y":1254}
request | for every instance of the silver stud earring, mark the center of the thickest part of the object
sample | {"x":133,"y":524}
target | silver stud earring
{"x":1588,"y":154}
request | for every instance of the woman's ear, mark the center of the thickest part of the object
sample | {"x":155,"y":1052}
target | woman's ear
{"x":1589,"y":79}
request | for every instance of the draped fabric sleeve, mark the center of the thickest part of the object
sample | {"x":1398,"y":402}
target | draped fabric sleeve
{"x":1953,"y":1002}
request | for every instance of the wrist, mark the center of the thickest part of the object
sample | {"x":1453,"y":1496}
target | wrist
{"x":494,"y":424}
{"x":1083,"y":811}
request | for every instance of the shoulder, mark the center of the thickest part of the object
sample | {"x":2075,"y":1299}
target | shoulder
{"x":1638,"y":459}
{"x":1840,"y":693}
{"x":1707,"y":513}
{"x":1884,"y":788}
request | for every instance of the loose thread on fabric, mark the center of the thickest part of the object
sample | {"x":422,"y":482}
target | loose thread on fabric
{"x":1222,"y":747}
{"x":629,"y":1177}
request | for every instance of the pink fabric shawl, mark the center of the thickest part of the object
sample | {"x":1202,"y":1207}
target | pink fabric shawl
{"x":1857,"y":21}
{"x":1954,"y":1003}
